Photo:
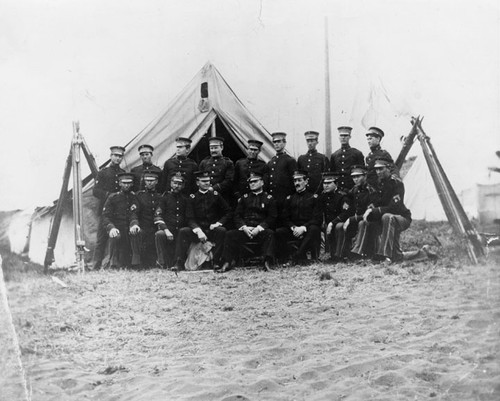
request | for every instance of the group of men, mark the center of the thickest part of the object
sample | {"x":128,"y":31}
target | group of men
{"x":281,"y":209}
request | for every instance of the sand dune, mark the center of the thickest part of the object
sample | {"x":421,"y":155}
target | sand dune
{"x":403,"y":332}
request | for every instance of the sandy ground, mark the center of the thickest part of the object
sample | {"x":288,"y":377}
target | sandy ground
{"x":411,"y":331}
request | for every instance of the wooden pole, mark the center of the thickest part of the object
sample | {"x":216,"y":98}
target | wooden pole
{"x":90,"y":157}
{"x":328,"y":123}
{"x":56,"y":222}
{"x":408,"y":142}
{"x":77,"y":199}
{"x":213,"y":131}
{"x":451,"y":204}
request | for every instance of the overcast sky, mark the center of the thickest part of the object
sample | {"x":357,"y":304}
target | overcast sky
{"x":115,"y":65}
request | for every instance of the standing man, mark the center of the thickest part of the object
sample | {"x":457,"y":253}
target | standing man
{"x":374,"y":137}
{"x":281,"y":168}
{"x":335,"y":209}
{"x":313,"y":162}
{"x":170,"y":217}
{"x":146,"y":154}
{"x":386,"y":216}
{"x":106,"y":183}
{"x":302,"y":221}
{"x":254,"y":218}
{"x":344,"y":158}
{"x":359,"y":197}
{"x":219,"y":168}
{"x":120,"y":220}
{"x":180,"y":162}
{"x":148,"y":201}
{"x":245,"y":166}
{"x":206,"y":213}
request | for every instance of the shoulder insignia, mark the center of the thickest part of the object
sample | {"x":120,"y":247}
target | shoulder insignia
{"x":289,"y":196}
{"x":269,"y":197}
{"x":245,"y":196}
{"x":396,"y":198}
{"x":315,"y":196}
{"x":345,"y":206}
{"x":192,"y":196}
{"x":133,"y":207}
{"x":216,"y":193}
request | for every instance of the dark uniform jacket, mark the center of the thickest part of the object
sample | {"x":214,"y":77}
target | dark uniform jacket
{"x":147,"y":202}
{"x":171,"y":212}
{"x":336,"y":207}
{"x":106,"y":183}
{"x":388,"y":198}
{"x":256,"y":210}
{"x":301,"y":209}
{"x":120,"y":211}
{"x":360,"y":199}
{"x":341,"y":162}
{"x":375,"y":153}
{"x":221,"y":170}
{"x":186,"y":166}
{"x":204,"y":209}
{"x":281,"y":168}
{"x":315,"y":164}
{"x":242,"y":169}
{"x":138,"y":173}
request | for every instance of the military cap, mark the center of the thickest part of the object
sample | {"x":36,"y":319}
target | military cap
{"x":201,"y":175}
{"x":178,"y":177}
{"x":344,"y":129}
{"x":330,"y":176}
{"x":146,"y":149}
{"x":216,"y":139}
{"x":150,"y":175}
{"x":254,"y":176}
{"x":278,"y":135}
{"x":375,"y":131}
{"x":126,"y":177}
{"x":358,"y":169}
{"x":254,"y":142}
{"x":185,"y":141}
{"x":311,"y":134}
{"x":117,"y":150}
{"x":382,"y":162}
{"x":300,"y":173}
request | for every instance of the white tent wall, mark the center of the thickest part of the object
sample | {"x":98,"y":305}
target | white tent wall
{"x":18,"y":231}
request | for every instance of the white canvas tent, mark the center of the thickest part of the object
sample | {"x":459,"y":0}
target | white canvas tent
{"x":188,"y":115}
{"x":480,"y":202}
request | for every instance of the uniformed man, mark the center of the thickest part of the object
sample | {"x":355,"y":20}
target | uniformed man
{"x":106,"y":183}
{"x":342,"y":160}
{"x":180,"y":162}
{"x":374,"y":137}
{"x":313,"y":162}
{"x":281,"y":168}
{"x":301,"y":216}
{"x":245,"y":166}
{"x":148,"y":201}
{"x":206,"y":213}
{"x":219,"y":168}
{"x":146,"y":154}
{"x":120,"y":220}
{"x":170,"y":217}
{"x":254,"y":219}
{"x":359,"y":196}
{"x":386,"y":216}
{"x":335,"y":209}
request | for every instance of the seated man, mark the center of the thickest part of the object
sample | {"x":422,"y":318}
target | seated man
{"x":206,"y":214}
{"x":359,"y":197}
{"x":335,"y":208}
{"x":119,"y":218}
{"x":147,"y":202}
{"x":170,"y":217}
{"x":302,"y":222}
{"x":386,"y":216}
{"x":254,"y":216}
